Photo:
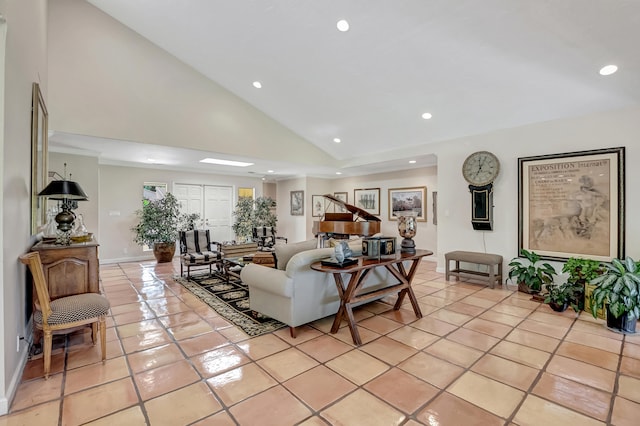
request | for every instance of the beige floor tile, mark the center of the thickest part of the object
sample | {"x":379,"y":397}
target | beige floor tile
{"x":630,"y":367}
{"x":448,"y":409}
{"x":431,"y":369}
{"x":450,"y":317}
{"x":522,"y":354}
{"x":366,"y":335}
{"x":595,"y":341}
{"x":154,"y":357}
{"x":202,"y":343}
{"x":144,"y":341}
{"x":588,"y":354}
{"x":303,"y":334}
{"x":219,"y":360}
{"x":573,"y":395}
{"x":275,"y":406}
{"x":37,"y":391}
{"x":454,"y":352}
{"x":324,"y":348}
{"x":625,"y":412}
{"x":166,"y":378}
{"x":42,"y":415}
{"x":533,"y":340}
{"x":536,"y":411}
{"x":466,"y":309}
{"x":582,"y":373}
{"x":139,"y":328}
{"x":506,"y":308}
{"x":473,"y":339}
{"x":388,"y":350}
{"x":478,"y":301}
{"x":501,"y":318}
{"x":131,"y":417}
{"x":98,"y":401}
{"x":241,"y":383}
{"x":319,"y":387}
{"x":361,"y":407}
{"x":629,"y":388}
{"x":182,"y":406}
{"x":262,"y":346}
{"x":35,"y":367}
{"x":95,"y":374}
{"x":553,"y":318}
{"x":542,"y":328}
{"x":404,"y":315}
{"x":286,"y":364}
{"x":631,"y":350}
{"x":221,"y":418}
{"x":493,"y":396}
{"x":506,"y":371}
{"x":488,"y":327}
{"x":181,"y":332}
{"x":357,"y":366}
{"x":434,"y":326}
{"x":402,"y":390}
{"x":379,"y":324}
{"x":413,"y":337}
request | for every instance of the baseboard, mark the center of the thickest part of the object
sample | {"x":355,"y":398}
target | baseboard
{"x":5,"y":402}
{"x":126,"y":259}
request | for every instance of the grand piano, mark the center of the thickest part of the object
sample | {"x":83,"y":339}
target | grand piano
{"x":355,"y":221}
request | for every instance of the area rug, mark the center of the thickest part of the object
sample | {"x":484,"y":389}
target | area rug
{"x":231,"y":301}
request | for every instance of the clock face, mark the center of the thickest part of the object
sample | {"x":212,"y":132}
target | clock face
{"x":481,"y":168}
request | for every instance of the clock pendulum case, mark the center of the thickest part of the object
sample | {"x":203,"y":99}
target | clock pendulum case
{"x":480,"y":169}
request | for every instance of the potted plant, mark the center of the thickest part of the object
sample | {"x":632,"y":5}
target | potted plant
{"x":559,"y":297}
{"x":250,"y":213}
{"x":158,"y":226}
{"x":581,"y":271}
{"x":618,"y":290}
{"x":530,"y":275}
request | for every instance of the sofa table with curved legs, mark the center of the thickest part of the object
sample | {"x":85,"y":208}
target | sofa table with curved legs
{"x":349,"y":292}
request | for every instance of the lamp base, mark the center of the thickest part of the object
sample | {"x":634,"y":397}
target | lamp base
{"x":408,"y":246}
{"x":63,"y":238}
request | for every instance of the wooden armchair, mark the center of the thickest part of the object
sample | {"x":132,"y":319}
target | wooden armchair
{"x":66,"y":312}
{"x":196,"y":249}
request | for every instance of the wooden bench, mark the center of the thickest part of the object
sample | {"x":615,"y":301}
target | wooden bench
{"x":492,"y":261}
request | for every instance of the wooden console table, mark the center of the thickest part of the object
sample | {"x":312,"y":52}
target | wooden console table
{"x":71,"y":269}
{"x":349,"y":293}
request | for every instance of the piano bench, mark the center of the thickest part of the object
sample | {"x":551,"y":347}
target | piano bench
{"x":493,"y":262}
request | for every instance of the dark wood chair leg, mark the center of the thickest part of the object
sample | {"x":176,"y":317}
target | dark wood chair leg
{"x":292,"y":330}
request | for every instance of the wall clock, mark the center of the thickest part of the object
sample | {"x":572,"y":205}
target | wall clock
{"x":480,"y":169}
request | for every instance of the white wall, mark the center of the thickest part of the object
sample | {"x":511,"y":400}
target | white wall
{"x":294,"y":228}
{"x":25,"y":62}
{"x":612,"y":129}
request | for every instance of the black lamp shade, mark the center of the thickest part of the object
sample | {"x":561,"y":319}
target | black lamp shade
{"x":64,"y":190}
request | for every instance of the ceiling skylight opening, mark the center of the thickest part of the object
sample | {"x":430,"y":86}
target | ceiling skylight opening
{"x":257,"y":85}
{"x":270,"y":171}
{"x":412,"y":161}
{"x":608,"y":70}
{"x":337,"y":140}
{"x":225,"y":162}
{"x":342,"y":25}
{"x":338,"y":173}
{"x":427,"y":116}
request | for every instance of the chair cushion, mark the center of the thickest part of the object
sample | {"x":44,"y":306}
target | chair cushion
{"x":75,"y":308}
{"x":196,"y":241}
{"x":201,"y":258}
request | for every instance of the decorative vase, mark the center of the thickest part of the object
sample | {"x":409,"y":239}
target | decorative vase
{"x":407,"y":228}
{"x":164,"y":252}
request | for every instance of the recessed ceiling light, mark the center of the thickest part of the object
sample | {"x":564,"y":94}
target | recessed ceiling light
{"x":151,"y":160}
{"x":608,"y":70}
{"x":412,"y":161}
{"x":269,"y":171}
{"x":226,"y":162}
{"x":342,"y":25}
{"x":257,"y":85}
{"x":427,"y":116}
{"x":338,"y":173}
{"x":264,"y":178}
{"x":337,"y":140}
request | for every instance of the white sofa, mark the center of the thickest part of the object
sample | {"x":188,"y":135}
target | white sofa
{"x":294,"y":293}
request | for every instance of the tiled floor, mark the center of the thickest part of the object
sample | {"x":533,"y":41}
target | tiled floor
{"x":478,"y":356}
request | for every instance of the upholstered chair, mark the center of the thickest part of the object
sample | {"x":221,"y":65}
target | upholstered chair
{"x":197,"y":249}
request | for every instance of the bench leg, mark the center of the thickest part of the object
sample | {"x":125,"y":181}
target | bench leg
{"x":492,"y":277}
{"x":447,"y":270}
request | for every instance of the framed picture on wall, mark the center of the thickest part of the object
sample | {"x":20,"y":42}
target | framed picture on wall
{"x":408,"y":199}
{"x":367,"y":199}
{"x":297,"y":203}
{"x":152,"y":191}
{"x":318,"y":205}
{"x":342,"y":196}
{"x":246,"y":193}
{"x":572,"y":204}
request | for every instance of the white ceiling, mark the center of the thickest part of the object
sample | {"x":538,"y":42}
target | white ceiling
{"x":477,"y":66}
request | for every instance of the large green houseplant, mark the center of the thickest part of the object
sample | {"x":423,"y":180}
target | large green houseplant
{"x":158,"y":223}
{"x":581,"y":271}
{"x":529,"y":273}
{"x":250,"y":213}
{"x":618,"y":289}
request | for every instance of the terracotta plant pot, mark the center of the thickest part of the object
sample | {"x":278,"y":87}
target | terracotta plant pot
{"x":522,"y":287}
{"x":164,"y":252}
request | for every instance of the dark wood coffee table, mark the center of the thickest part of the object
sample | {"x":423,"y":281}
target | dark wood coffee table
{"x":359,"y":272}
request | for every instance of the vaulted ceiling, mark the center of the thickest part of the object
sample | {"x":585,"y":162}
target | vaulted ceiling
{"x":474,"y":66}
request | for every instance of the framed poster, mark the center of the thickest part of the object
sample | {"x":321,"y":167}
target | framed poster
{"x":246,"y":193}
{"x":152,"y":191}
{"x":367,"y":199}
{"x":318,"y":205}
{"x":572,"y":204}
{"x":297,"y":203}
{"x":39,"y":157}
{"x":408,"y":199}
{"x":342,"y":196}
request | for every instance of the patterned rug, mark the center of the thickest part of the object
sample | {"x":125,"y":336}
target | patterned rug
{"x":231,"y":301}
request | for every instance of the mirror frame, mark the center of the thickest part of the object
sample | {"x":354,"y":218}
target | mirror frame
{"x":39,"y":157}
